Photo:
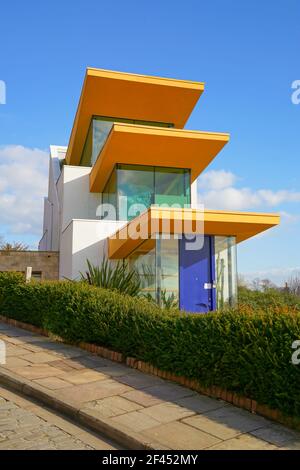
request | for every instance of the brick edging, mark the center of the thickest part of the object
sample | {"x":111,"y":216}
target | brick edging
{"x":213,"y":391}
{"x":24,"y":326}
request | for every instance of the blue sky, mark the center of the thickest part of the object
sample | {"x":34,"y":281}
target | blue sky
{"x":246,"y":52}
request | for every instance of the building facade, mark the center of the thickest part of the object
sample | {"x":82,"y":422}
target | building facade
{"x":125,"y":188}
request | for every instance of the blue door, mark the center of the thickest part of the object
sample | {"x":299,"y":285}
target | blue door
{"x":196,"y":276}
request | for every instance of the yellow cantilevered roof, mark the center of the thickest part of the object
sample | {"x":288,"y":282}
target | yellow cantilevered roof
{"x":131,"y":96}
{"x":155,"y":220}
{"x":157,"y":146}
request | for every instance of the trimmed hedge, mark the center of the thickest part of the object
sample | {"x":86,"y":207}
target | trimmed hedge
{"x":246,"y":351}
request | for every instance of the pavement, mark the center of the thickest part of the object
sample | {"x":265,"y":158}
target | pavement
{"x":134,"y":409}
{"x":26,"y":425}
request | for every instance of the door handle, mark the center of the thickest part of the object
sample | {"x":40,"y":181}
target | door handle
{"x":209,"y":285}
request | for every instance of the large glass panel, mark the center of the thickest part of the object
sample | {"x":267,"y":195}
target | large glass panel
{"x":171,"y":186}
{"x":141,"y":186}
{"x":98,"y":131}
{"x":226,"y":271}
{"x":109,"y":196}
{"x":135,"y":190}
{"x":101,"y":129}
{"x":88,"y":148}
{"x":167,"y":272}
{"x":156,"y":262}
{"x":143,"y":261}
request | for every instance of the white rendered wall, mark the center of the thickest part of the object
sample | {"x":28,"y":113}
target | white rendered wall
{"x":51,"y":226}
{"x":82,"y":240}
{"x":65,"y":253}
{"x":77,"y":200}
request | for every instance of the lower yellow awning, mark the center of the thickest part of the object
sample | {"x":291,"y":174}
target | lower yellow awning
{"x":157,"y":220}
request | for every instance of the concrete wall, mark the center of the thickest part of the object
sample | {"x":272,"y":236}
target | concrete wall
{"x":82,"y":240}
{"x":51,"y":223}
{"x":44,"y":261}
{"x":77,"y":201}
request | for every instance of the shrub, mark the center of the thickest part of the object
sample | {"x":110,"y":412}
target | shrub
{"x":270,"y":298}
{"x":116,"y":277}
{"x":247,"y":351}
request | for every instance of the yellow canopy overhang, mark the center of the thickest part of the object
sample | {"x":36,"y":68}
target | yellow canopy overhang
{"x":131,"y":96}
{"x":157,"y":220}
{"x":157,"y":146}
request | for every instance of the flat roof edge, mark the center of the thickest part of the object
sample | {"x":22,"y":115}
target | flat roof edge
{"x":94,"y":72}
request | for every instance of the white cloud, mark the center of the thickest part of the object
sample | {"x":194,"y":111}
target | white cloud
{"x":277,"y":275}
{"x":216,"y":180}
{"x":23,"y":184}
{"x":216,"y":190}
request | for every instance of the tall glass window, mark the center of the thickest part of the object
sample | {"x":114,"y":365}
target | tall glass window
{"x":143,"y":261}
{"x":156,"y":262}
{"x":109,"y":195}
{"x":226,"y":271}
{"x":99,"y":129}
{"x":167,"y":271}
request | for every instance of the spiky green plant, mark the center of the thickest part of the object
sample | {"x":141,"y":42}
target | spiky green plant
{"x":117,"y":277}
{"x":168,"y":301}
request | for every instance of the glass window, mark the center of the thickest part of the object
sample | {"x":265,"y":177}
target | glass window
{"x":98,"y":132}
{"x":226,"y":271}
{"x":109,"y":196}
{"x":143,"y":261}
{"x":132,"y":189}
{"x":101,"y":129}
{"x":88,"y":148}
{"x":167,"y":271}
{"x":156,"y":262}
{"x":172,"y":186}
{"x":138,"y":187}
{"x":135,"y":190}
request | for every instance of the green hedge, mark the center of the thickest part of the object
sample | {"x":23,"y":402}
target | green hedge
{"x":245,"y":351}
{"x":270,"y":298}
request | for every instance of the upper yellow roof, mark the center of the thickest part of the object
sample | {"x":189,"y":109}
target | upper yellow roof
{"x":131,"y":96}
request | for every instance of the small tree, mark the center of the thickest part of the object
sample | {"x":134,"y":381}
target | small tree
{"x":293,"y":284}
{"x":14,"y":246}
{"x":267,"y":284}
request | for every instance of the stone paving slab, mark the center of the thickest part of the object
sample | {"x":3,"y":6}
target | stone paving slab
{"x":227,"y":422}
{"x":111,"y":406}
{"x":177,"y":435}
{"x":278,"y":435}
{"x":137,"y":410}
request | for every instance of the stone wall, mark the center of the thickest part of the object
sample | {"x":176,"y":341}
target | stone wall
{"x":44,"y":263}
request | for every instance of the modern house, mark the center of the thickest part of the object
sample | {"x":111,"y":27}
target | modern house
{"x":125,"y":188}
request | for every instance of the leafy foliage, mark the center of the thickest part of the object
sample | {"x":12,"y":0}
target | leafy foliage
{"x":116,"y":277}
{"x":268,"y":299}
{"x":247,"y":351}
{"x":168,"y":301}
